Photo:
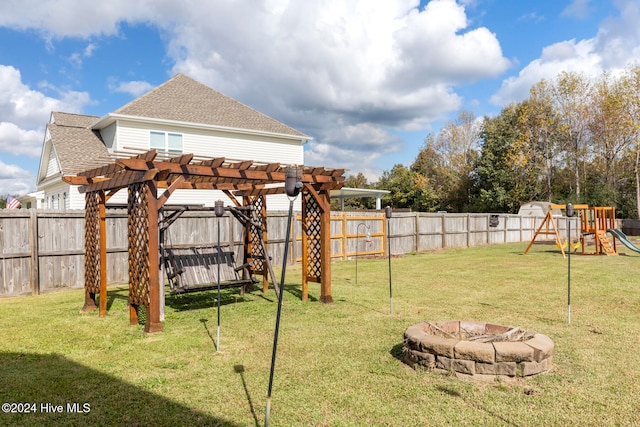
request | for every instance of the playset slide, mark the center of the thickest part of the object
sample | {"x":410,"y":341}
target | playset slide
{"x":623,"y":238}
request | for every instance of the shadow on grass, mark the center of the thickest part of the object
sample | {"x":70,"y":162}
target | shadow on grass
{"x":207,"y":299}
{"x":239,"y":369}
{"x":296,"y":291}
{"x":396,"y":351}
{"x":83,"y":396}
{"x":116,"y":294}
{"x":203,"y":299}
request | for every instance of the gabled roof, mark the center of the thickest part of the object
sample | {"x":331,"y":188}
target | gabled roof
{"x":75,"y":145}
{"x":72,"y":120}
{"x":183,"y":99}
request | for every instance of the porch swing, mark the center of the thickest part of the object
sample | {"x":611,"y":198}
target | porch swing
{"x":195,"y":269}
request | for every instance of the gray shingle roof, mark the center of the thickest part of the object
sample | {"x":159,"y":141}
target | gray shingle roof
{"x":183,"y":99}
{"x":77,"y":147}
{"x":72,"y":120}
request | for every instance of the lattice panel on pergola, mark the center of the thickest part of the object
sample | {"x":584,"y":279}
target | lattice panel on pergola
{"x":256,"y":251}
{"x":92,"y":242}
{"x":311,"y":228}
{"x":138,"y":231}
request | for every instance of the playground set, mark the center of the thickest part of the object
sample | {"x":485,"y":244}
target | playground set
{"x":595,"y":223}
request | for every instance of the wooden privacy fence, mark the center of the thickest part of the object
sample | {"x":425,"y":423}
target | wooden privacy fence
{"x":42,"y":250}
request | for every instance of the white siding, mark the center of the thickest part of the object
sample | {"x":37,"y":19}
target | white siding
{"x":108,"y":135}
{"x":53,"y":167}
{"x":203,"y":197}
{"x":76,"y":199}
{"x":209,"y":143}
{"x":54,"y":195}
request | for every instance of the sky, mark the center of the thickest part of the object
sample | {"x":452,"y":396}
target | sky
{"x":368,"y":80}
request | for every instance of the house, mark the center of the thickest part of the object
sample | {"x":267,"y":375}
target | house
{"x":179,"y":116}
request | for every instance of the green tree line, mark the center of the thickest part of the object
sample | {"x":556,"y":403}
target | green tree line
{"x":574,"y":139}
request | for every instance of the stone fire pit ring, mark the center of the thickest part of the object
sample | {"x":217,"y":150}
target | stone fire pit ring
{"x":477,"y":351}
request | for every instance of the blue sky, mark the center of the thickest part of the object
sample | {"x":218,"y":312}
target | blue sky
{"x":367,"y":79}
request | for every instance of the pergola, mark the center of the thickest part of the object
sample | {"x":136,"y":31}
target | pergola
{"x":151,"y":181}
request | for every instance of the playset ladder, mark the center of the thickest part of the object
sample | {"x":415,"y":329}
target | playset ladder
{"x":605,"y":245}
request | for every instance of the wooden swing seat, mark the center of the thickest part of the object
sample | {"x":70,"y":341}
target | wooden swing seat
{"x":196,"y":269}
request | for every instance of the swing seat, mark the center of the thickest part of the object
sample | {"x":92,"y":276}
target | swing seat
{"x":196,"y":269}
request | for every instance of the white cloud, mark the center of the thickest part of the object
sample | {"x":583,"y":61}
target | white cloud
{"x":19,"y":141}
{"x":579,"y":9}
{"x":72,"y":18}
{"x":321,"y":65}
{"x":12,"y":171}
{"x":317,"y":65}
{"x":24,"y":113}
{"x":30,"y":109}
{"x":614,"y":47}
{"x":15,"y":180}
{"x":134,"y":88}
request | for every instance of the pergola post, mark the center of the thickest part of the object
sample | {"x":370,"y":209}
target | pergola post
{"x":153,"y":323}
{"x":92,"y":250}
{"x":144,"y":279}
{"x":316,"y":242}
{"x":102,"y":208}
{"x":325,"y":244}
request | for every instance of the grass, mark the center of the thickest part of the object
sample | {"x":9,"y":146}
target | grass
{"x":337,"y":364}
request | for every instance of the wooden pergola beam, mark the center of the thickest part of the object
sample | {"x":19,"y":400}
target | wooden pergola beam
{"x":121,"y":180}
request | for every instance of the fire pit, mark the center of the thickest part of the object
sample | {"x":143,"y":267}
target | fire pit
{"x":473,"y":350}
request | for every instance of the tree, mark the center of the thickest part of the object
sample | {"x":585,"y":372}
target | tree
{"x":631,"y":90}
{"x":612,"y":134}
{"x":571,"y":93}
{"x":408,"y":189}
{"x":504,"y":177}
{"x":448,"y":160}
{"x":540,"y":137}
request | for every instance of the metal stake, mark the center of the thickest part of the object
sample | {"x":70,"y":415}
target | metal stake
{"x":569,"y":211}
{"x":368,"y":237}
{"x":387,"y":212}
{"x":569,"y":272}
{"x":219,"y":211}
{"x":293,"y":185}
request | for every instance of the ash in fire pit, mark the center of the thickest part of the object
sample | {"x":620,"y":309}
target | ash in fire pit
{"x":474,"y":350}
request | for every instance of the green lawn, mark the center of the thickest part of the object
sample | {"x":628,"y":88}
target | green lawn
{"x":337,"y":364}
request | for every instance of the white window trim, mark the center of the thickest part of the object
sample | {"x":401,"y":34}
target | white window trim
{"x":166,"y":141}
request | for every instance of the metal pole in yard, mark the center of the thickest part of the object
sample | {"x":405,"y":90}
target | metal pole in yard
{"x":387,"y":213}
{"x":292,"y":187}
{"x":219,"y":211}
{"x":570,"y":211}
{"x":368,"y":239}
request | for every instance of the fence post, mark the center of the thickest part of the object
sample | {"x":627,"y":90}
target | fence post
{"x":444,"y":230}
{"x":416,"y":221}
{"x":345,"y":241}
{"x":506,"y":231}
{"x":487,"y":229}
{"x":33,"y":244}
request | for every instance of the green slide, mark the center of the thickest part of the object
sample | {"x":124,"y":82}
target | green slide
{"x":623,"y":238}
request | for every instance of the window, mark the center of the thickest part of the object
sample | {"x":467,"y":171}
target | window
{"x":166,"y":141}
